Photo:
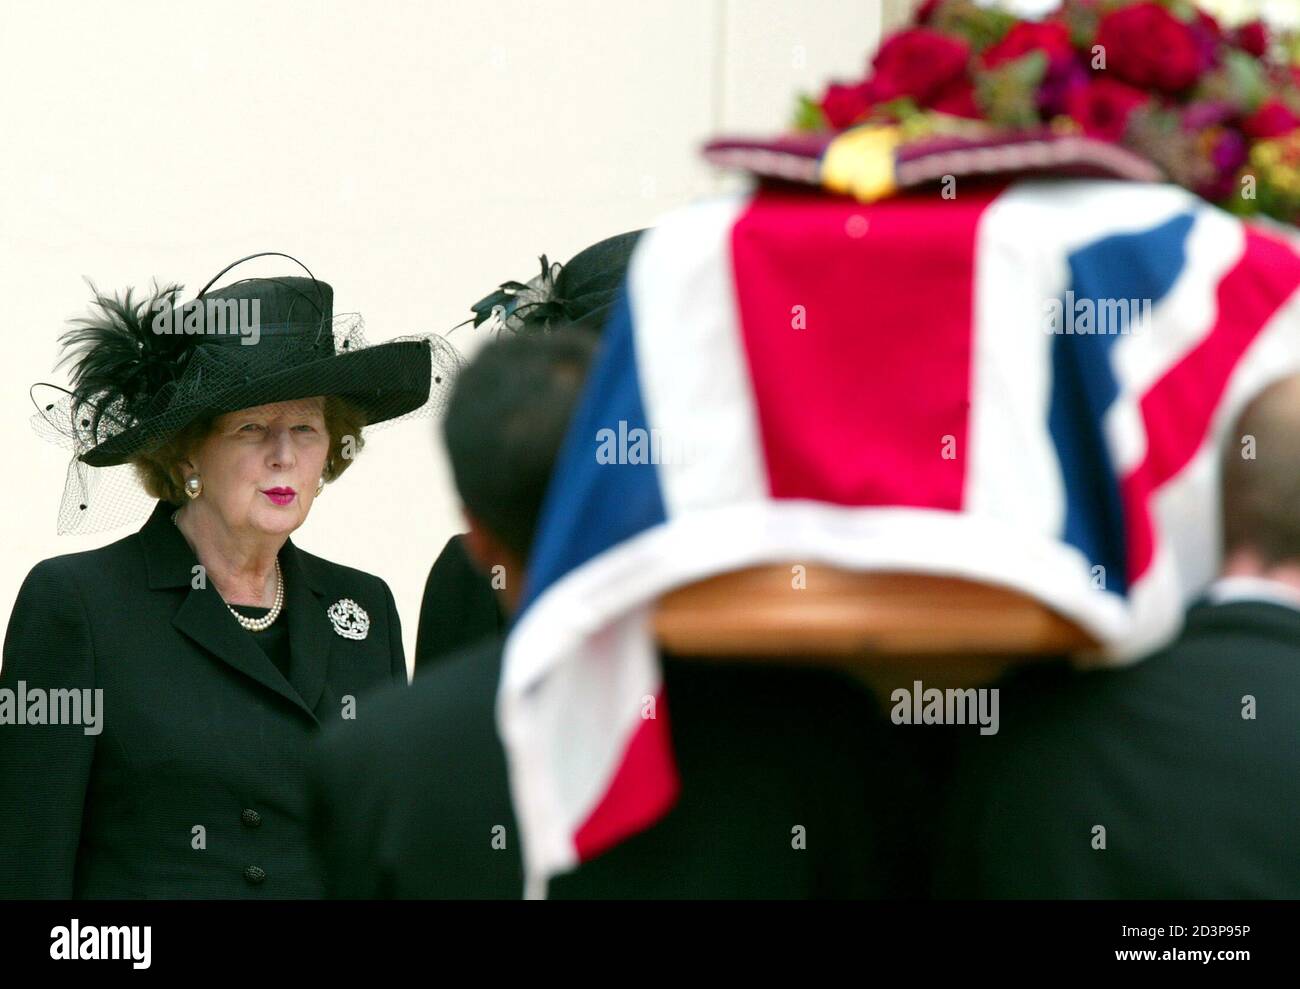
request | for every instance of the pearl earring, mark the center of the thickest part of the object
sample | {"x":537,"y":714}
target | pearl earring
{"x":320,"y":485}
{"x":193,"y":486}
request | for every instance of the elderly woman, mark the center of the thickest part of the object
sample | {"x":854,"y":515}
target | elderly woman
{"x":205,"y":650}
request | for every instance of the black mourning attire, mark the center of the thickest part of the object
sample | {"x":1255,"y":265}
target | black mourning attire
{"x":274,"y":640}
{"x":408,"y":804}
{"x":459,"y":607}
{"x":1195,"y":799}
{"x":195,"y":785}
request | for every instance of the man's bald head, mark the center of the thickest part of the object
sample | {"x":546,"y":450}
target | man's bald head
{"x":1261,"y":479}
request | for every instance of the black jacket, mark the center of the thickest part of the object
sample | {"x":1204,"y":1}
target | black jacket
{"x":459,"y":608}
{"x":202,"y":737}
{"x":1196,"y":800}
{"x":409,"y":804}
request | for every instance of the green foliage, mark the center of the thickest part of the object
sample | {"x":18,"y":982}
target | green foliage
{"x":808,"y":115}
{"x":980,"y":27}
{"x":1240,"y":80}
{"x":1008,"y":95}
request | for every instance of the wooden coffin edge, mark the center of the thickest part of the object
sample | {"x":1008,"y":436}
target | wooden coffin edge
{"x":858,"y":617}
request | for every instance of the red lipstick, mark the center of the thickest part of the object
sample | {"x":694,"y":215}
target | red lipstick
{"x":280,"y":496}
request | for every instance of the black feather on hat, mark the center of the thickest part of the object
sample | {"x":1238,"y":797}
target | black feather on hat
{"x":117,"y":362}
{"x":147,"y":377}
{"x":144,"y":368}
{"x":581,"y":291}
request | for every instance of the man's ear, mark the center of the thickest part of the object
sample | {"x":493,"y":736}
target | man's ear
{"x":488,"y":552}
{"x":485,"y":549}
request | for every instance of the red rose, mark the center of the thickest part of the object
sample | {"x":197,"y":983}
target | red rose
{"x":843,"y":105}
{"x":1149,"y":47}
{"x":1051,"y":38}
{"x":1103,"y":107}
{"x":958,"y":99}
{"x":1253,"y":37}
{"x":1209,"y":38}
{"x":1273,"y":119}
{"x":1209,"y":24}
{"x":918,"y":63}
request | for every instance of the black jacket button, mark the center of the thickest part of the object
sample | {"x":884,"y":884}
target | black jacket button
{"x":255,"y":875}
{"x":251,"y":818}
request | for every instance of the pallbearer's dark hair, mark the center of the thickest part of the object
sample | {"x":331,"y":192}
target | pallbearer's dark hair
{"x":1261,"y":476}
{"x":506,"y":420}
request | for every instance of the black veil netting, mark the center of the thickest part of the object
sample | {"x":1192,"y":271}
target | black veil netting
{"x":206,"y":378}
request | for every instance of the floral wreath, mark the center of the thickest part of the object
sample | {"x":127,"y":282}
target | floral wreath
{"x":1217,"y":109}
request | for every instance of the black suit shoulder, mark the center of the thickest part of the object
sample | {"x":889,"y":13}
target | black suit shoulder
{"x":447,"y":704}
{"x":120,"y":566}
{"x":1195,"y":790}
{"x":412,"y":801}
{"x":459,"y":607}
{"x":338,"y":574}
{"x":784,"y":792}
{"x":118,"y":561}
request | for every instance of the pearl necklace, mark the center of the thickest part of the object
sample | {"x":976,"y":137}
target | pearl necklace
{"x":267,"y":620}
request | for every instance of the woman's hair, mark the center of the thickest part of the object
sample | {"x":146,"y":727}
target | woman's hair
{"x":159,"y":469}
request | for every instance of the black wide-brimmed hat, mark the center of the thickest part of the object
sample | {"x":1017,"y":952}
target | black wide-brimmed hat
{"x":143,"y":375}
{"x":582,"y":291}
{"x":144,"y":368}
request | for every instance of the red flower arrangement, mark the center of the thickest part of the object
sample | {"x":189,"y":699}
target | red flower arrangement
{"x":1102,"y":107}
{"x":1050,"y":37}
{"x":1218,"y":110}
{"x":1147,"y":46}
{"x":919,"y":64}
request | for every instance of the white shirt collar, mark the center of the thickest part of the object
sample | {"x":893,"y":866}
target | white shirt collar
{"x":1228,"y":589}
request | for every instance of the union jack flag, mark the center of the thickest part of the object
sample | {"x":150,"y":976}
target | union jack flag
{"x":1023,"y":385}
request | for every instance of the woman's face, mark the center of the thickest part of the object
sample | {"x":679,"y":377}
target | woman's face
{"x":260,"y":466}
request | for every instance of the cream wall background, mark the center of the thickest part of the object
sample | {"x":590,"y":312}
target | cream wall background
{"x":413,"y":154}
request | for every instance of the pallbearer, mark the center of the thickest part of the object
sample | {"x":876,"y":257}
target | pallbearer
{"x":461,"y":602}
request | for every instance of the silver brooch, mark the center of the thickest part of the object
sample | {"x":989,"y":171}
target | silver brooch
{"x":349,"y":619}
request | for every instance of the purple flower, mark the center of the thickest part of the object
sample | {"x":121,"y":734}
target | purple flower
{"x":1062,"y":79}
{"x":1207,"y":39}
{"x":1207,"y":113}
{"x":1227,"y":154}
